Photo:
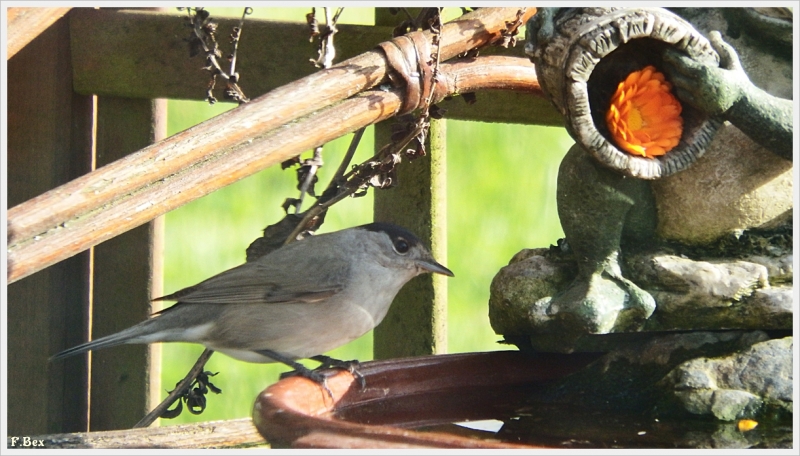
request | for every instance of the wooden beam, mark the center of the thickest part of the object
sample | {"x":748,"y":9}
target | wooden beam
{"x":126,"y":277}
{"x":232,"y":434}
{"x":418,"y":316}
{"x":25,"y":24}
{"x":144,"y":54}
{"x":49,"y":144}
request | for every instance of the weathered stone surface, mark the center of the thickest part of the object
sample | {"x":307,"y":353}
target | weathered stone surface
{"x":521,"y":300}
{"x":690,"y":295}
{"x":774,"y":302}
{"x":736,"y":185}
{"x":696,"y":283}
{"x":520,"y":291}
{"x":779,"y":269}
{"x":630,"y":378}
{"x":716,"y":294}
{"x":767,"y":70}
{"x":756,"y":380}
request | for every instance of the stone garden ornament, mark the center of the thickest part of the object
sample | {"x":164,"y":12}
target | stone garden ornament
{"x":683,"y":141}
{"x":591,"y":61}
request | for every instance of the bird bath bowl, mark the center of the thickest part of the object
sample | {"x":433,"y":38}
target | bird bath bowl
{"x":409,"y":402}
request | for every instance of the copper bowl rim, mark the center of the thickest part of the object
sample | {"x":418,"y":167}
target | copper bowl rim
{"x":297,"y":413}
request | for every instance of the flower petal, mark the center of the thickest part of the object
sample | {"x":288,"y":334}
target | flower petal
{"x":644,"y":116}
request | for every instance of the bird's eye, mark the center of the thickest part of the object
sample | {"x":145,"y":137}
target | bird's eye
{"x":401,"y":246}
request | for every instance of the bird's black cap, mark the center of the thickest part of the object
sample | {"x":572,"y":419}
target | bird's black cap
{"x":395,"y":232}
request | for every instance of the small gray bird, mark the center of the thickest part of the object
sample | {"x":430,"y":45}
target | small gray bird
{"x":298,"y":301}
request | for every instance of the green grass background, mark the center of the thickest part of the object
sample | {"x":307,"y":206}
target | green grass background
{"x":500,"y":199}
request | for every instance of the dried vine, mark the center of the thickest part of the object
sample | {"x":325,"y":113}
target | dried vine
{"x":183,"y":390}
{"x":203,"y":39}
{"x":324,"y":34}
{"x":307,"y":170}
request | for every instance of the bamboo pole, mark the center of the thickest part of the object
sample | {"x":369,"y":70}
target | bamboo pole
{"x":236,"y":144}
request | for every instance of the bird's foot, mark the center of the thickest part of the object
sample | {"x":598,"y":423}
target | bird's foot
{"x":314,"y":375}
{"x":350,"y":366}
{"x":298,"y":370}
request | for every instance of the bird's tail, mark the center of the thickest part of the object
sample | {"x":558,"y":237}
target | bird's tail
{"x":141,"y":333}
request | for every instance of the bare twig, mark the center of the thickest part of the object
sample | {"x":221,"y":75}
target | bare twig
{"x":411,"y":23}
{"x":326,"y":50}
{"x":308,"y":176}
{"x":235,"y":36}
{"x":434,"y":23}
{"x":378,"y":172}
{"x":330,"y":49}
{"x":331,"y":193}
{"x":204,"y":30}
{"x":348,"y":157}
{"x":436,"y":29}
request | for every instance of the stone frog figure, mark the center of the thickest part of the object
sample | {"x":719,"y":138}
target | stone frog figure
{"x":726,"y":91}
{"x":603,"y":210}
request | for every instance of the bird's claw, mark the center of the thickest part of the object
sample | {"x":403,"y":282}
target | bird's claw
{"x":315,"y":376}
{"x":350,"y":366}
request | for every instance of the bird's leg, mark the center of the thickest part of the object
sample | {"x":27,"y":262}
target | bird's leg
{"x":350,"y":366}
{"x":299,"y":369}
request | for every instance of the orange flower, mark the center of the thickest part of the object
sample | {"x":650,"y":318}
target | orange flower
{"x":644,"y":117}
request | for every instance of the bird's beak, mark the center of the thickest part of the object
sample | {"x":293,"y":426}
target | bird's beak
{"x":432,"y":266}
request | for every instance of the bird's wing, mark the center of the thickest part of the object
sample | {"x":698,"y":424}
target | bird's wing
{"x":271,"y":282}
